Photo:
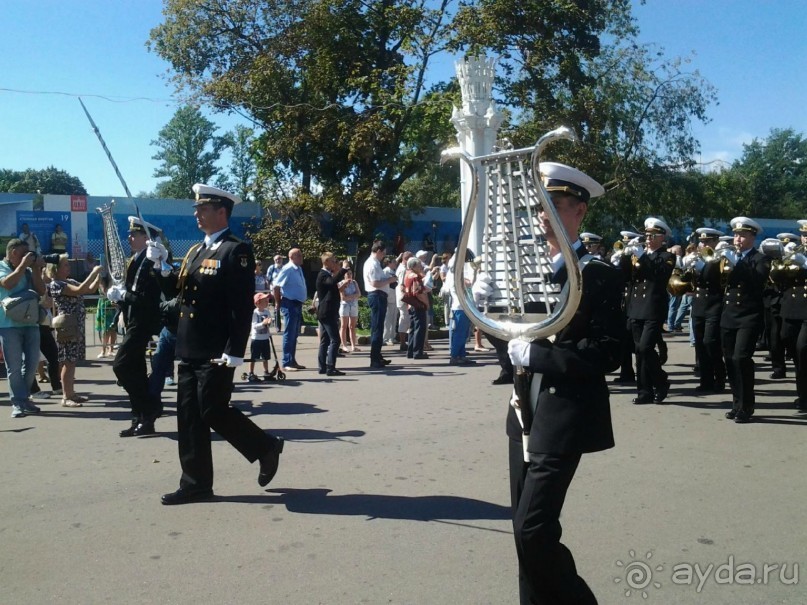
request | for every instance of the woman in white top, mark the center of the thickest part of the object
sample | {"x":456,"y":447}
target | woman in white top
{"x":349,"y":293}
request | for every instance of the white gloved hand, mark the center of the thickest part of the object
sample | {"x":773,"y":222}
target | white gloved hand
{"x":228,"y":360}
{"x":116,"y":293}
{"x":616,"y":257}
{"x":689,"y":261}
{"x":790,"y":248}
{"x":637,"y":251}
{"x":156,"y":252}
{"x":519,"y":352}
{"x":721,"y":246}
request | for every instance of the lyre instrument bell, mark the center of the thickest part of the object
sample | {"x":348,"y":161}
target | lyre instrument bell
{"x":114,"y":257}
{"x":515,"y":255}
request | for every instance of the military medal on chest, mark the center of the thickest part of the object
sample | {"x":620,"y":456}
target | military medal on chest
{"x":210,"y":266}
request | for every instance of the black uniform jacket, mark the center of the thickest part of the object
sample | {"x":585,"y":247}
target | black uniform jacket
{"x":328,"y":294}
{"x":794,"y":297}
{"x":742,"y":299}
{"x":648,"y":297}
{"x":215,"y":287}
{"x":573,"y":413}
{"x":141,"y":303}
{"x":707,"y":300}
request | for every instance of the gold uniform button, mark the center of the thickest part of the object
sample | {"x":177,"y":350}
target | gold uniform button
{"x":196,"y":287}
{"x":191,"y":315}
{"x":182,"y":314}
{"x":551,"y":390}
{"x":193,"y":302}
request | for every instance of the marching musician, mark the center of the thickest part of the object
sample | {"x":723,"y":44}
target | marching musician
{"x":592,"y":242}
{"x":139,"y":299}
{"x":650,"y":267}
{"x":214,"y":288}
{"x":745,"y":272}
{"x":793,"y":282}
{"x":772,"y":318}
{"x":707,"y":305}
{"x":626,"y":373}
{"x":572,"y":411}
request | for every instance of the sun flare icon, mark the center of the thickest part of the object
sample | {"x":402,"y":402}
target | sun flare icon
{"x":638,"y":574}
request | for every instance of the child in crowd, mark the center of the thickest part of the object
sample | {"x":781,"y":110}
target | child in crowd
{"x":259,"y":348}
{"x":106,"y":316}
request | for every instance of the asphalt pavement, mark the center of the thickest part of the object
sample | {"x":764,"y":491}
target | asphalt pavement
{"x":393,"y":489}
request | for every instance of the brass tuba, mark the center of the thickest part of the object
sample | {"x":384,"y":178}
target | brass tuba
{"x":114,"y":256}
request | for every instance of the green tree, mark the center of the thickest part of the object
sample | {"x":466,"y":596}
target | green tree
{"x":188,"y":152}
{"x":775,"y":173}
{"x":241,"y":176}
{"x":47,"y":181}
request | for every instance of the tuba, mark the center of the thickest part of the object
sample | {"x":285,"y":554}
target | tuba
{"x":114,"y":256}
{"x":515,"y":254}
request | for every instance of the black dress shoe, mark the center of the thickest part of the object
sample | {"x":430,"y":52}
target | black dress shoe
{"x":144,"y":428}
{"x":130,"y":432}
{"x":322,"y":371}
{"x":335,"y":372}
{"x":624,"y":380}
{"x":296,"y":366}
{"x":776,"y":375}
{"x":731,"y":414}
{"x":421,"y":356}
{"x":186,"y":496}
{"x":661,"y":392}
{"x":503,"y":379}
{"x":642,"y":400}
{"x":705,"y":388}
{"x":720,"y":387}
{"x":742,"y":418}
{"x":377,"y":365}
{"x":269,"y":463}
{"x":386,"y":362}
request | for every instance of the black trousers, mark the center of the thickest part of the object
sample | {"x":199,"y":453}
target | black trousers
{"x":738,"y":352}
{"x":130,"y":369}
{"x":626,"y":366}
{"x":776,"y":346}
{"x":794,"y":335}
{"x":649,"y":375}
{"x":708,"y":351}
{"x":48,"y":347}
{"x":329,"y":342}
{"x":419,"y":322}
{"x":203,"y":403}
{"x":502,"y":355}
{"x":546,"y":571}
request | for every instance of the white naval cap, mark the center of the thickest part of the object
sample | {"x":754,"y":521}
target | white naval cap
{"x":590,"y":238}
{"x":656,"y":225}
{"x":743,"y":223}
{"x":802,"y":226}
{"x":726,"y":238}
{"x":786,"y":238}
{"x":205,"y":194}
{"x":421,"y":254}
{"x":708,"y":233}
{"x":629,"y":235}
{"x":137,"y":225}
{"x":560,"y":177}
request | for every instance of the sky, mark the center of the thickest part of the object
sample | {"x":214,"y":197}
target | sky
{"x":52,"y":51}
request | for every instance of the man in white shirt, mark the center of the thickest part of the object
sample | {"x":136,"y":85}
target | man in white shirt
{"x":376,"y":283}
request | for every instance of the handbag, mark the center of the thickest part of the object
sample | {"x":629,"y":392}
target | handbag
{"x":66,"y":327}
{"x":23,"y":307}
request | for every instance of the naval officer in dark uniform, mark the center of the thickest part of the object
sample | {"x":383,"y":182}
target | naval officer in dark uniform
{"x":745,"y":273}
{"x":626,"y":373}
{"x":649,"y":267}
{"x":214,"y":289}
{"x":572,"y":414}
{"x":707,"y":306}
{"x":791,"y":275}
{"x":139,"y":300}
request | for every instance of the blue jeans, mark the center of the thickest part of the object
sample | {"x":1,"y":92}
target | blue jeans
{"x":683,"y":309}
{"x":458,"y":333}
{"x":21,"y":351}
{"x":672,"y":311}
{"x":162,"y":362}
{"x":378,"y":313}
{"x":292,"y":312}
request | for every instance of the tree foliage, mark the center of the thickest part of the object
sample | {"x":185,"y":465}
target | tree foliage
{"x":47,"y":181}
{"x":188,"y":152}
{"x":351,"y":120}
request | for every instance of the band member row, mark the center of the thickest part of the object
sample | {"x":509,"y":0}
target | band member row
{"x":745,"y":273}
{"x":648,"y":265}
{"x":790,"y":274}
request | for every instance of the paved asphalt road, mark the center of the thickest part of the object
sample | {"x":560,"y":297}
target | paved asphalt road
{"x":393,"y":489}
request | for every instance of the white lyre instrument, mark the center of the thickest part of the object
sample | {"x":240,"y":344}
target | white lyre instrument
{"x":114,"y":257}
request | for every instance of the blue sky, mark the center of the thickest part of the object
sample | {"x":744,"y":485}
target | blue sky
{"x":754,"y":52}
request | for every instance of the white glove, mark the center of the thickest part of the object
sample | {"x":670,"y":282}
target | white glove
{"x":721,"y":246}
{"x":689,"y":261}
{"x":636,"y":251}
{"x":790,"y":248}
{"x":116,"y":293}
{"x":616,"y":257}
{"x":156,"y":252}
{"x":519,"y":352}
{"x":229,"y":361}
